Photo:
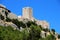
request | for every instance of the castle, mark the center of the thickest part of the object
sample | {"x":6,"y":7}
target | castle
{"x":27,"y":14}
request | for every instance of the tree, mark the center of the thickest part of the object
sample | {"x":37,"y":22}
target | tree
{"x":9,"y":11}
{"x":35,"y":32}
{"x":25,"y":34}
{"x":50,"y":37}
{"x":58,"y":36}
{"x":8,"y":19}
{"x":6,"y":13}
{"x":30,"y":22}
{"x":46,"y":30}
{"x":53,"y":31}
{"x":7,"y":33}
{"x":18,"y":23}
{"x":1,"y":17}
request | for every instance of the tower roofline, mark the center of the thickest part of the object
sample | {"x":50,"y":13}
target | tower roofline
{"x":27,"y":7}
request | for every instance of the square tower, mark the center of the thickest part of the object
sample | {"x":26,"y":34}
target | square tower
{"x":27,"y":12}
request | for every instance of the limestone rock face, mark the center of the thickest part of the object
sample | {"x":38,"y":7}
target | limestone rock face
{"x":1,"y":23}
{"x":44,"y":24}
{"x":10,"y":24}
{"x":12,"y":16}
{"x":42,"y":34}
{"x":2,"y":12}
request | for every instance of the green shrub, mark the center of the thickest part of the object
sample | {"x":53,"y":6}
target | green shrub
{"x":1,"y":17}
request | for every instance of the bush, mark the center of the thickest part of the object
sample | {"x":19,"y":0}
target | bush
{"x":35,"y":32}
{"x":7,"y":33}
{"x":18,"y":23}
{"x":53,"y":31}
{"x":2,"y":17}
{"x":30,"y":22}
{"x":58,"y":36}
{"x":8,"y":19}
{"x":6,"y":13}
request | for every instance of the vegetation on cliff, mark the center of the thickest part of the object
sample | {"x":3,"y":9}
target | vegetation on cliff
{"x":31,"y":33}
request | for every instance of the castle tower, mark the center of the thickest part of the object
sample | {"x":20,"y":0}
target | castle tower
{"x":27,"y":13}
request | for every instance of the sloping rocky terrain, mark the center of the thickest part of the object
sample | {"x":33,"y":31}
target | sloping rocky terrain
{"x":13,"y":29}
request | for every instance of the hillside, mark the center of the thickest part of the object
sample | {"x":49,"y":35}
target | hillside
{"x":27,"y":31}
{"x":32,"y":33}
{"x":25,"y":27}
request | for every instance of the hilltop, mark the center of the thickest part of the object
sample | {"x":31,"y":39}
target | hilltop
{"x":26,"y":27}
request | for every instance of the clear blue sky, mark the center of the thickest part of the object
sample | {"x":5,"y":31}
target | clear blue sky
{"x":48,"y":10}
